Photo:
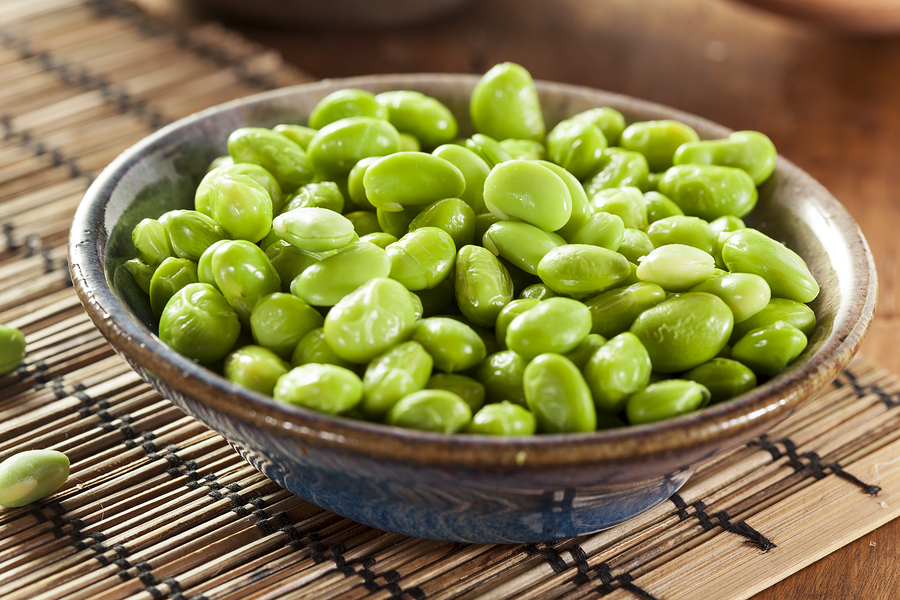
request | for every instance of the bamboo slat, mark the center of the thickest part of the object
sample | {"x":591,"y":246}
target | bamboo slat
{"x":157,"y":506}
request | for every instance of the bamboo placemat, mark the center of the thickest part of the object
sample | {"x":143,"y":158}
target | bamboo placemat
{"x":157,"y":506}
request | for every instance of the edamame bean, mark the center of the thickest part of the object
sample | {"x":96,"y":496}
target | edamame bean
{"x":411,"y":179}
{"x":439,"y":299}
{"x":422,"y":258}
{"x":626,"y":202}
{"x":324,"y":283}
{"x":321,"y":194}
{"x":522,"y":244}
{"x":503,"y":419}
{"x":287,"y":260}
{"x":576,"y":145}
{"x":618,"y":168}
{"x":279,"y":321}
{"x":381,"y":239}
{"x":558,"y":396}
{"x":28,"y":476}
{"x":169,"y":277}
{"x":483,"y":285}
{"x":709,"y":191}
{"x":660,"y":207}
{"x":635,"y":245}
{"x":601,"y":229}
{"x":723,"y":377}
{"x":453,"y":345}
{"x":244,"y":275}
{"x":537,"y":291}
{"x":277,"y":154}
{"x":750,"y":151}
{"x":299,"y":134}
{"x":665,"y":400}
{"x":769,"y":350}
{"x":510,"y":312}
{"x":581,"y":208}
{"x":528,"y":191}
{"x":439,"y":411}
{"x":356,"y":187}
{"x":526,"y":149}
{"x":689,"y":231}
{"x":151,"y":242}
{"x":657,"y":140}
{"x":676,"y":267}
{"x":474,"y":171}
{"x":198,"y":323}
{"x":255,"y":368}
{"x":684,"y":331}
{"x":345,"y":103}
{"x":422,"y":116}
{"x":586,"y":348}
{"x":141,"y":272}
{"x":488,"y":149}
{"x":751,"y":251}
{"x":452,"y":215}
{"x":397,"y":223}
{"x":614,"y":311}
{"x":744,"y":293}
{"x":323,"y":388}
{"x":501,"y":374}
{"x":12,"y":349}
{"x":314,"y":229}
{"x":257,"y":173}
{"x":580,"y":270}
{"x":369,"y":320}
{"x":778,"y":309}
{"x":471,"y":391}
{"x":618,"y":369}
{"x":313,"y":348}
{"x":505,"y":104}
{"x":190,"y":233}
{"x":610,"y":121}
{"x":554,"y":325}
{"x":400,"y":371}
{"x":340,"y":145}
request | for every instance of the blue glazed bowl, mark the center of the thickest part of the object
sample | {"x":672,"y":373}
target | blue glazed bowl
{"x":463,"y":488}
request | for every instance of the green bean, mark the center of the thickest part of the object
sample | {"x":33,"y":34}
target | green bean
{"x":522,"y":244}
{"x":744,"y":293}
{"x":483,"y":285}
{"x":151,"y":242}
{"x":244,"y":275}
{"x":679,"y":229}
{"x":190,"y":233}
{"x":338,"y":146}
{"x":422,"y":258}
{"x":723,"y":377}
{"x":751,"y":251}
{"x":657,"y":140}
{"x":470,"y":390}
{"x":407,"y":179}
{"x":709,"y":191}
{"x":748,"y":150}
{"x":580,"y":270}
{"x":676,"y":267}
{"x":202,"y":200}
{"x":141,"y":272}
{"x":554,"y":325}
{"x":314,"y":229}
{"x":769,"y":350}
{"x":474,"y":169}
{"x":320,"y":194}
{"x":778,"y":309}
{"x":576,"y":145}
{"x":502,"y":375}
{"x":324,"y":283}
{"x":277,"y":154}
{"x":169,"y":277}
{"x":450,"y":214}
{"x":610,"y":121}
{"x":528,"y":191}
{"x":618,"y":168}
{"x":312,"y":348}
{"x":419,"y":115}
{"x":635,"y":245}
{"x":613,"y":311}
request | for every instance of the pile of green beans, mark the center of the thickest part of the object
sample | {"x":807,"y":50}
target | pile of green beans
{"x":372,"y":264}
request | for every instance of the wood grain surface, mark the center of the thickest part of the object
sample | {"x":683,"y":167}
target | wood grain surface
{"x":831,"y":104}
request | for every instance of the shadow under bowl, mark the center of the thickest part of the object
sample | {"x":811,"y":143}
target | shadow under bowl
{"x":461,"y":487}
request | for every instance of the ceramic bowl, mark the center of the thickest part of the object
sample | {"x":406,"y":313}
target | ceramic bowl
{"x":458,"y":487}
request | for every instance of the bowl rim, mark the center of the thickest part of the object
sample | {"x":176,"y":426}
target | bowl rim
{"x":690,"y":437}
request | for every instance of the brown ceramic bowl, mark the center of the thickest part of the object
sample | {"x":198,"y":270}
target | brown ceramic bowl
{"x":460,"y":487}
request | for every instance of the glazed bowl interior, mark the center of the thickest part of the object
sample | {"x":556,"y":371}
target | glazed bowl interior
{"x":161,"y":172}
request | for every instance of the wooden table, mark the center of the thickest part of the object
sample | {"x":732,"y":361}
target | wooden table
{"x":830,"y":103}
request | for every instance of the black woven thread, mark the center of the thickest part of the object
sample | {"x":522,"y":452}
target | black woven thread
{"x":743,"y":529}
{"x":814,"y":461}
{"x":579,"y":558}
{"x":139,"y":19}
{"x":764,"y":443}
{"x":551,"y":556}
{"x":681,"y":505}
{"x":889,"y":400}
{"x":25,"y":140}
{"x":625,"y":581}
{"x":71,"y":74}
